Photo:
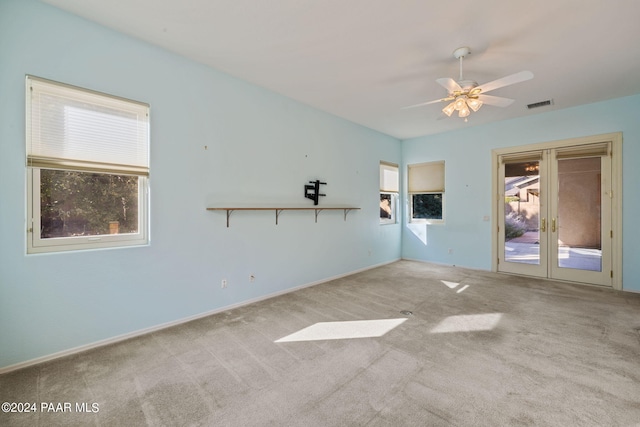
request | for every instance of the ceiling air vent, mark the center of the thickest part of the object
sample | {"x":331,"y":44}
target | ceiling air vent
{"x":540,"y":104}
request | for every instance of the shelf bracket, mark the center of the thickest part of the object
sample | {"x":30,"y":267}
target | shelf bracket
{"x":278,"y":212}
{"x":346,"y":211}
{"x":317,"y":212}
{"x":228,"y":215}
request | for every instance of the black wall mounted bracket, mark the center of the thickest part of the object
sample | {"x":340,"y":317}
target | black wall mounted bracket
{"x":312,"y":190}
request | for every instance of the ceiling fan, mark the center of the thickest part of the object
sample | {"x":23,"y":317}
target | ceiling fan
{"x":466,"y":95}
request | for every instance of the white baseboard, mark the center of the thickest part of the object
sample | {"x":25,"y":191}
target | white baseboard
{"x":444,"y":264}
{"x":161,"y":326}
{"x":623,"y":290}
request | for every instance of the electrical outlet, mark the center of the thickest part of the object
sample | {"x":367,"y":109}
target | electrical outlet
{"x":224,"y":283}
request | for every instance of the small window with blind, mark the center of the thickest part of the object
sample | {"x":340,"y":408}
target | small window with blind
{"x":88,"y":168}
{"x":389,"y":188}
{"x":426,"y":192}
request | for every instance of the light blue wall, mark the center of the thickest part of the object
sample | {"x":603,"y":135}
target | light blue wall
{"x":468,"y":175}
{"x":262,"y":148}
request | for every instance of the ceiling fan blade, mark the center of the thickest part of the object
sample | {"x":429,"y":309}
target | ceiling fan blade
{"x":449,"y":84}
{"x":506,"y":81}
{"x":496,"y":101}
{"x":427,"y":103}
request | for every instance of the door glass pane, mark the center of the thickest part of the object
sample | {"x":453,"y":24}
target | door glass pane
{"x":522,"y":212}
{"x":579,"y":206}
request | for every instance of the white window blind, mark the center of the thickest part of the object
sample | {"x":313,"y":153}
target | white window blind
{"x":590,"y":150}
{"x":426,"y":178}
{"x":389,"y":181}
{"x":529,"y":156}
{"x":77,"y":129}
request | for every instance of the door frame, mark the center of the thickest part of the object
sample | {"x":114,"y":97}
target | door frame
{"x":539,"y":269}
{"x":616,"y":197}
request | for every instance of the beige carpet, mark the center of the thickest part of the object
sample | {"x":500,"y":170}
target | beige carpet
{"x":480,"y":349}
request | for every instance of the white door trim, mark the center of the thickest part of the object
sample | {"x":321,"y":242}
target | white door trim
{"x":616,"y":197}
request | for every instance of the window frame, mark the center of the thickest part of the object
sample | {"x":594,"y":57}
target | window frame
{"x":426,"y":220}
{"x":394,"y":208}
{"x":35,"y":243}
{"x":427,"y":185}
{"x":391,"y":189}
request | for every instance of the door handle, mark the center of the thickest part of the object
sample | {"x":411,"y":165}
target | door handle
{"x":543,"y":228}
{"x":553,"y":225}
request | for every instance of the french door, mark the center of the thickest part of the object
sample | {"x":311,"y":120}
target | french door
{"x":555,"y":213}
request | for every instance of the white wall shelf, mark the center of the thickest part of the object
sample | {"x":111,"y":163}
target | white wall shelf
{"x":278,"y":210}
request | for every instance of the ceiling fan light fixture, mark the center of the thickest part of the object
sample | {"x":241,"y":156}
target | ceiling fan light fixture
{"x":460,"y":103}
{"x":464,"y":111}
{"x":449,"y":109}
{"x":474,"y":104}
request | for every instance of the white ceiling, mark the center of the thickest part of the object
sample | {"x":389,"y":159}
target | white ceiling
{"x":365,"y":59}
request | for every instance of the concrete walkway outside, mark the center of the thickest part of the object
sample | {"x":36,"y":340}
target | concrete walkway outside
{"x":526,"y":249}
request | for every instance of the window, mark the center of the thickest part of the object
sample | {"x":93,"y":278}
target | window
{"x":389,"y":187}
{"x":87,"y":168}
{"x":426,"y":191}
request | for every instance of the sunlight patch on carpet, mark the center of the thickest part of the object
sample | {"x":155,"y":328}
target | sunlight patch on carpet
{"x":468,"y":323}
{"x":462,"y":289}
{"x":344,"y":330}
{"x":453,"y":285}
{"x":450,"y":285}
